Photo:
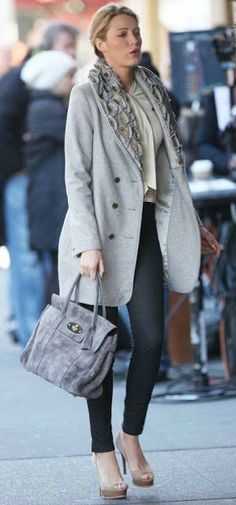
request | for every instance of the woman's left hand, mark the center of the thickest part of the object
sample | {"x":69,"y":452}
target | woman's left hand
{"x":209,"y":244}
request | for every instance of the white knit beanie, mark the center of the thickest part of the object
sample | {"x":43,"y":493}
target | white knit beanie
{"x":45,"y":69}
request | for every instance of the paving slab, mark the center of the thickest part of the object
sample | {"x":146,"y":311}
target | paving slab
{"x":181,"y":477}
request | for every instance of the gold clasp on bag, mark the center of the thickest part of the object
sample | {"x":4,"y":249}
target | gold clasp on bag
{"x":74,"y":328}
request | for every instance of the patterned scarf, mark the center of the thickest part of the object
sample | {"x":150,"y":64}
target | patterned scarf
{"x":115,"y":103}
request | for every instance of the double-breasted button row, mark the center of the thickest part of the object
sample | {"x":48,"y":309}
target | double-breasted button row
{"x":114,"y":206}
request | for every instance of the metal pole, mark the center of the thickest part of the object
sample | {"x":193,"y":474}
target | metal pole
{"x":198,"y":337}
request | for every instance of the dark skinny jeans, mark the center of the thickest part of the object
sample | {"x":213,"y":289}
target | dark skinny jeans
{"x":146,"y":312}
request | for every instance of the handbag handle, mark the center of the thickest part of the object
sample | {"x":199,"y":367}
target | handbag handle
{"x":99,"y":291}
{"x":75,"y":285}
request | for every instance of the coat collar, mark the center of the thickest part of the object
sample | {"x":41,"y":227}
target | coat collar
{"x":115,"y":103}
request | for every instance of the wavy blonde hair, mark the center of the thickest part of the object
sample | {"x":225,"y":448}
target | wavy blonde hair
{"x":101,"y":21}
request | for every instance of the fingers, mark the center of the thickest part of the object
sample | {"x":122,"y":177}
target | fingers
{"x":101,"y":267}
{"x":209,"y":242}
{"x":212,"y":242}
{"x":89,"y":272}
{"x":210,"y":245}
{"x":220,"y":248}
{"x":91,"y":262}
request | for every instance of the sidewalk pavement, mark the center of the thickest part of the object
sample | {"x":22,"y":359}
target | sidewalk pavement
{"x":45,"y":445}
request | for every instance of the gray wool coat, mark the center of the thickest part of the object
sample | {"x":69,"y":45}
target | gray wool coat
{"x":105,"y":195}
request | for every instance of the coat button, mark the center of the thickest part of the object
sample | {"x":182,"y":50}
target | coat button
{"x":111,"y":236}
{"x":114,"y":205}
{"x":117,"y":179}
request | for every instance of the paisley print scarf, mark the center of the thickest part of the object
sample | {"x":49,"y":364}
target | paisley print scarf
{"x":115,"y":104}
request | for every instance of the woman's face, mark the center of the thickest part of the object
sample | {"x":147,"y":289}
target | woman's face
{"x":122,"y":46}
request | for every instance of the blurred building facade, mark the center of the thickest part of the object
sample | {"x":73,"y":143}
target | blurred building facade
{"x":157,"y":18}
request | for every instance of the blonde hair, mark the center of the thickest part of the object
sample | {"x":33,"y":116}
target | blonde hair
{"x":101,"y":21}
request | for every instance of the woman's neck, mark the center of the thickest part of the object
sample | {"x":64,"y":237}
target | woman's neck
{"x":126,"y":75}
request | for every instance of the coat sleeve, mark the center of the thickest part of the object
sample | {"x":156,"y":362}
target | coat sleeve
{"x":78,"y":174}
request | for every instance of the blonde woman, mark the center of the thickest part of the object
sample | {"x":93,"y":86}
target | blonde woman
{"x":131,"y":219}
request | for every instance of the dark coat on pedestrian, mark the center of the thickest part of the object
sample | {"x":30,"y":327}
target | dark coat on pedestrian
{"x":209,"y":143}
{"x":13,"y":104}
{"x":44,"y":155}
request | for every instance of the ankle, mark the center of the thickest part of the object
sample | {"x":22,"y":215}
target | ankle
{"x":105,"y":456}
{"x":130,"y":439}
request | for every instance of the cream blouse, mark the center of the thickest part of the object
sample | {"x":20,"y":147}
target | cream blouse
{"x":151,"y":137}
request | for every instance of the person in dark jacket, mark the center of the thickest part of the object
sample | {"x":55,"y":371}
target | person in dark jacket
{"x":49,"y":75}
{"x":209,"y":142}
{"x":12,"y":110}
{"x":26,"y":275}
{"x":13,"y":104}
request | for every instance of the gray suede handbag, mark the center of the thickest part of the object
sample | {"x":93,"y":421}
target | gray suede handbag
{"x":71,"y":346}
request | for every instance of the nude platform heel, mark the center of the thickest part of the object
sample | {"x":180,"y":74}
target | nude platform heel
{"x":108,"y":490}
{"x":135,"y":474}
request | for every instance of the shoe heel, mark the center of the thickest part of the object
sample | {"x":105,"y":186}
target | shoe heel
{"x":124,"y":464}
{"x":108,"y":490}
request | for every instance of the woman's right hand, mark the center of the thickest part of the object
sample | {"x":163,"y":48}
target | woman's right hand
{"x":91,"y":262}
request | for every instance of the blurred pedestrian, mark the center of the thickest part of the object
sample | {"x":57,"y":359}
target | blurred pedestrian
{"x":216,"y":135}
{"x":130,"y":218}
{"x":210,"y":138}
{"x":27,"y":285}
{"x":49,"y":76}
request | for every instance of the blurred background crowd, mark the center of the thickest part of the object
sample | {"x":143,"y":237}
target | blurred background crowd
{"x":44,"y":51}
